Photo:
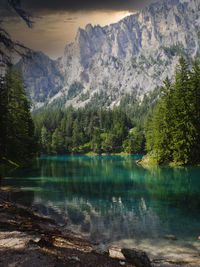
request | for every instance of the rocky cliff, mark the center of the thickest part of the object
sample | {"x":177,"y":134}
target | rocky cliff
{"x":42,"y":77}
{"x":131,"y":56}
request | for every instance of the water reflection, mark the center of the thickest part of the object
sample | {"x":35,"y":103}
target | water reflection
{"x":111,"y":198}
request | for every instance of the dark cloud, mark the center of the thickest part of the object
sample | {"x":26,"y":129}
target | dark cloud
{"x":52,"y":6}
{"x":5,"y":9}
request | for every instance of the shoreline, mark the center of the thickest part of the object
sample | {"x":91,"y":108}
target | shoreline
{"x":149,"y":160}
{"x":40,"y":240}
{"x":23,"y":232}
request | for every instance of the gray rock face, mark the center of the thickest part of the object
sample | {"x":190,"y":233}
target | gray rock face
{"x":41,"y":77}
{"x":133,"y":55}
{"x":137,"y":257}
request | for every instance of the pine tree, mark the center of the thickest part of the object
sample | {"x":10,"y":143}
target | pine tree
{"x":134,"y":144}
{"x":57,"y":142}
{"x":174,"y":132}
{"x":96,"y":140}
{"x":45,"y":141}
{"x":17,"y":130}
{"x":181,"y":114}
{"x":3,"y":117}
{"x":195,"y":111}
{"x":77,"y":136}
{"x":162,"y":137}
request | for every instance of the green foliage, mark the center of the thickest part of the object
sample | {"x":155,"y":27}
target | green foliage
{"x":173,"y":132}
{"x":135,"y":142}
{"x":84,"y":96}
{"x":96,"y":130}
{"x":96,"y":143}
{"x":174,"y":50}
{"x":54,"y":91}
{"x":83,"y":130}
{"x":57,"y":142}
{"x":137,"y":109}
{"x":17,"y":140}
{"x":109,"y":143}
{"x":101,"y":99}
{"x":74,"y":89}
{"x":134,"y":62}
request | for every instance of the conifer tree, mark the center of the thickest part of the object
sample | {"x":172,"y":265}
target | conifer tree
{"x":57,"y":142}
{"x":174,"y":132}
{"x":18,"y":141}
{"x":195,"y":111}
{"x":181,"y":115}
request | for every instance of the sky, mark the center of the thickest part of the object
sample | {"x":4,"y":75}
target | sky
{"x":56,"y":22}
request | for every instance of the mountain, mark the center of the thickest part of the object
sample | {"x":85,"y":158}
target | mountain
{"x":133,"y":56}
{"x":41,"y":76}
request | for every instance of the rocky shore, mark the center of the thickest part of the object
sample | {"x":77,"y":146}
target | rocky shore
{"x":27,"y":239}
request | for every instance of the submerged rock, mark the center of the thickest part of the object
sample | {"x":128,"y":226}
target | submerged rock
{"x":45,"y":241}
{"x":4,"y":196}
{"x":170,"y":237}
{"x":85,"y":227}
{"x":100,"y":249}
{"x":74,"y":258}
{"x":137,"y":257}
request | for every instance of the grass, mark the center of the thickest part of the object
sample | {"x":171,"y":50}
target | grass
{"x":149,"y":160}
{"x":91,"y":153}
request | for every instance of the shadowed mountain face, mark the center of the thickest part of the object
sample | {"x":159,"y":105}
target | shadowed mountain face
{"x":41,"y":76}
{"x":132,"y":56}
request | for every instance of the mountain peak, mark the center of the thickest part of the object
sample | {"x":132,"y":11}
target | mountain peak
{"x":88,"y":28}
{"x":132,"y":56}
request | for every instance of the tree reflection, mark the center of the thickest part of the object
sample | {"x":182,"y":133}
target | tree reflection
{"x":112,"y":198}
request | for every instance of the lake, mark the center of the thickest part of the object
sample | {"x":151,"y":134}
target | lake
{"x":111,"y":199}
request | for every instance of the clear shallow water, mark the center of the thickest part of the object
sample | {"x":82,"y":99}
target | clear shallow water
{"x":111,"y":199}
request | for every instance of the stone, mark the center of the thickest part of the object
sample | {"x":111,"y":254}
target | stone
{"x":100,"y":249}
{"x":116,"y":253}
{"x":170,"y":237}
{"x":4,"y":195}
{"x":32,"y":243}
{"x":74,"y":258}
{"x":45,"y":241}
{"x":137,"y":257}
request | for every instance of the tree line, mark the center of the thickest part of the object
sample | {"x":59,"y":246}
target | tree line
{"x":66,"y":131}
{"x":173,"y":130}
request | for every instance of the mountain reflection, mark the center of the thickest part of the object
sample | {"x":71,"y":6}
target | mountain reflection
{"x":111,"y":198}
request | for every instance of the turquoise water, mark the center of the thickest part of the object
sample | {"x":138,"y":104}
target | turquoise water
{"x":112,"y":199}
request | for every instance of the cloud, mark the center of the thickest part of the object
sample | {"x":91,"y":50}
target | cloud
{"x":53,"y":6}
{"x":70,"y":20}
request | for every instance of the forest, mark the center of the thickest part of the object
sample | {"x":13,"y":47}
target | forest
{"x":165,"y":124}
{"x":173,"y":130}
{"x":70,"y":131}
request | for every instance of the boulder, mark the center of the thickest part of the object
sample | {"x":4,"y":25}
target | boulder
{"x":100,"y":249}
{"x":137,"y":257}
{"x":45,"y":241}
{"x":74,"y":258}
